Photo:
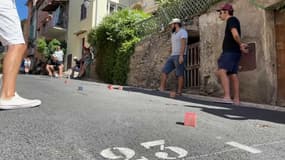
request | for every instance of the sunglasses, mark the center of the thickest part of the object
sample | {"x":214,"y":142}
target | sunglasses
{"x":222,"y":12}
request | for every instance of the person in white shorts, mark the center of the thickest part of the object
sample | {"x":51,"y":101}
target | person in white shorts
{"x":11,"y":35}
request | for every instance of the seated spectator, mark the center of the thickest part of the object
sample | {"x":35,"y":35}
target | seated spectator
{"x":85,"y":61}
{"x":76,"y":68}
{"x":56,"y":63}
{"x":27,"y":65}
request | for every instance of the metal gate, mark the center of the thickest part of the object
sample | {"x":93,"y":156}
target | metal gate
{"x":192,"y":73}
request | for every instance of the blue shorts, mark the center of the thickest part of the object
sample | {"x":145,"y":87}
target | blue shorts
{"x":173,"y":63}
{"x":229,"y":61}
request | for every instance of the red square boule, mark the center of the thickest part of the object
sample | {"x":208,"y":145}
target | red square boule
{"x":190,"y":119}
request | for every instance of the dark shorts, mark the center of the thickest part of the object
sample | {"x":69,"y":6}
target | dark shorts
{"x":229,"y":61}
{"x":56,"y":63}
{"x":173,"y":63}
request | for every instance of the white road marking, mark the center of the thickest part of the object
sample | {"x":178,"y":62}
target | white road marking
{"x":126,"y":153}
{"x":129,"y":153}
{"x":244,"y":147}
{"x":142,"y":158}
{"x":208,"y":106}
{"x":232,"y":150}
{"x":218,"y":137}
{"x":233,"y":116}
{"x":164,"y":154}
{"x":148,"y":145}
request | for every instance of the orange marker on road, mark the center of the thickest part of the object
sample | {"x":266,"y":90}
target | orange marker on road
{"x":190,"y":119}
{"x":111,"y":87}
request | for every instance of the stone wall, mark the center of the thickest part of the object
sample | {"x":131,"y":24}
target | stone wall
{"x":147,"y":62}
{"x":257,"y":26}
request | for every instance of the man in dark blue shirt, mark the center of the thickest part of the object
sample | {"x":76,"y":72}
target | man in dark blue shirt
{"x":229,"y":60}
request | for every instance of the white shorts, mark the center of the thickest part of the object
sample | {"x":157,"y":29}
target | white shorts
{"x":10,"y":25}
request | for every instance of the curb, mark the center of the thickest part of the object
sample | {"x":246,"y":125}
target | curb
{"x":242,"y":104}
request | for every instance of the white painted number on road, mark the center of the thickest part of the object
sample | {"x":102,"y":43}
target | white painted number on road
{"x":164,"y":155}
{"x":143,"y":158}
{"x":127,"y":154}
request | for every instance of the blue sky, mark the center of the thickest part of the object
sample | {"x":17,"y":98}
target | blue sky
{"x":22,"y":8}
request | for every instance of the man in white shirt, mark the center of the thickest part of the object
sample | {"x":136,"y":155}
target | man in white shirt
{"x":11,"y":35}
{"x":56,"y":62}
{"x":178,"y":51}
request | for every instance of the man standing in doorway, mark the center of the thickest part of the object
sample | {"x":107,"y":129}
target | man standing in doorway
{"x":11,"y":35}
{"x":228,"y":62}
{"x":177,"y":59}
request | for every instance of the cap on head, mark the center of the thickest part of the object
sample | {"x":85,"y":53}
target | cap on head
{"x":226,"y":7}
{"x":75,"y":58}
{"x":175,"y":20}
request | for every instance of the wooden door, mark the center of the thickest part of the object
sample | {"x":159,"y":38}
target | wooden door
{"x":280,"y":45}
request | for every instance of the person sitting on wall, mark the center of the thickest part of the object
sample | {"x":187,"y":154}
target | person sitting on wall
{"x":76,"y":68}
{"x":56,"y":63}
{"x":27,"y":65}
{"x":85,"y":61}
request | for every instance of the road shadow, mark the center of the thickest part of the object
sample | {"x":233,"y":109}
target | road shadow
{"x":180,"y":98}
{"x":227,"y":111}
{"x":245,"y":113}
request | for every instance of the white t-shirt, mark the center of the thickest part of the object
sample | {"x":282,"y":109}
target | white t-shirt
{"x":176,"y":41}
{"x":58,"y":55}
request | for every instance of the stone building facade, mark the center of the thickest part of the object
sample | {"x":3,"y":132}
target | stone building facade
{"x":262,"y":84}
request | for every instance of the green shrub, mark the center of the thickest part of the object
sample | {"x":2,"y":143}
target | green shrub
{"x":53,"y":44}
{"x":42,"y":47}
{"x":47,"y":48}
{"x":115,"y":39}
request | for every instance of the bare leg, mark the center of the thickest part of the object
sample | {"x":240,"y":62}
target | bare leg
{"x":48,"y":68}
{"x":26,"y":70}
{"x":52,"y":71}
{"x":163,"y":81}
{"x":72,"y":73}
{"x":180,"y":84}
{"x":225,"y":82}
{"x":11,"y":65}
{"x":82,"y":70}
{"x":235,"y":80}
{"x":60,"y":68}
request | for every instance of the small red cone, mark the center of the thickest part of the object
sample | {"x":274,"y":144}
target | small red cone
{"x":110,"y":87}
{"x":190,"y":119}
{"x":65,"y":81}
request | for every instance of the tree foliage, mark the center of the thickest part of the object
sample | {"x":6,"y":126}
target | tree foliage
{"x":115,"y":39}
{"x":46,"y":48}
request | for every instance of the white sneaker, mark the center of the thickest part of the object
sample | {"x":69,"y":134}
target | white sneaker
{"x":18,"y":102}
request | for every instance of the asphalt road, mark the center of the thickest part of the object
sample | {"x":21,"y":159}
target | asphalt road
{"x":94,"y":123}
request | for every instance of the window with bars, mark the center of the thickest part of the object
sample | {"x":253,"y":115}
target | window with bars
{"x":83,"y":12}
{"x":112,"y":7}
{"x":192,"y":73}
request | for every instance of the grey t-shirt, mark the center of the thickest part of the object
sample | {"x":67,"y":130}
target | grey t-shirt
{"x":176,"y":41}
